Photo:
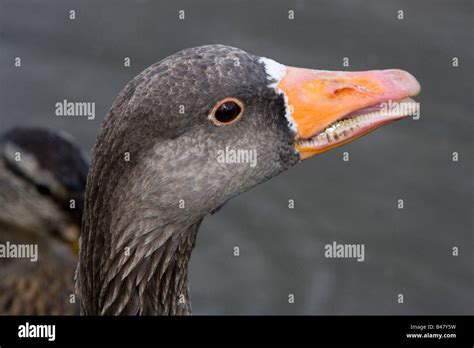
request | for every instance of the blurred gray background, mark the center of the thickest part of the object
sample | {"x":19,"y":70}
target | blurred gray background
{"x":408,"y":251}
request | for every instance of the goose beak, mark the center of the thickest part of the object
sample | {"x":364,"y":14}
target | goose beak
{"x":331,"y":108}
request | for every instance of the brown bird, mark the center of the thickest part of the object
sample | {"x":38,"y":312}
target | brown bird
{"x":42,"y":182}
{"x":175,"y":147}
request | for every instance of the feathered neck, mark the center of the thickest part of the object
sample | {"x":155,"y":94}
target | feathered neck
{"x":144,"y":273}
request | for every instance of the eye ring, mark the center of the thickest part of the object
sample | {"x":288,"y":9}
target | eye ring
{"x":227,"y":111}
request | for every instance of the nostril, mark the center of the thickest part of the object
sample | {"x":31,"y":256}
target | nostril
{"x":339,"y":92}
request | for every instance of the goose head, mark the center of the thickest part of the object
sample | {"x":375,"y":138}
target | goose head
{"x":42,"y":182}
{"x":186,"y":135}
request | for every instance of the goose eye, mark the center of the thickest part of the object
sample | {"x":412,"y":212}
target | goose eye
{"x":227,"y":111}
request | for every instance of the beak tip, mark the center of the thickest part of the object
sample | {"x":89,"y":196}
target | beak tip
{"x":403,"y":81}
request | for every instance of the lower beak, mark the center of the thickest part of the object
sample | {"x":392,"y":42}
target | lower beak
{"x":330,"y":108}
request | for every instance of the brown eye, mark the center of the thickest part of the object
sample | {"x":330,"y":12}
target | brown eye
{"x":227,"y":111}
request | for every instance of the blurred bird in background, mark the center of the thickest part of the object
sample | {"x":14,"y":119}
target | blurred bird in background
{"x":42,"y":181}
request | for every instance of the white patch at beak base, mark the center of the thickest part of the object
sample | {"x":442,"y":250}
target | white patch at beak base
{"x":275,"y":73}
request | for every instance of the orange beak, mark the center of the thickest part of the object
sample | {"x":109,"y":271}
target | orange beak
{"x":330,"y":108}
